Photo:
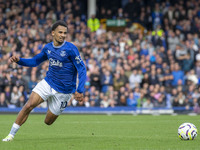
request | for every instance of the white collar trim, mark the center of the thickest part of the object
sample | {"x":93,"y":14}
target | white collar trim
{"x":59,"y":45}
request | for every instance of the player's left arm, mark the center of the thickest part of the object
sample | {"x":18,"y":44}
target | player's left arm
{"x":81,"y":69}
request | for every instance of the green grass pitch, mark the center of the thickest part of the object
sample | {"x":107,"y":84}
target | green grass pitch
{"x":99,"y":132}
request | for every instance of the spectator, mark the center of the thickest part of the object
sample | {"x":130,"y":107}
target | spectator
{"x":106,"y":80}
{"x":21,"y":101}
{"x":142,"y":98}
{"x":178,"y":76}
{"x":20,"y":81}
{"x":2,"y":100}
{"x":197,"y":69}
{"x":134,"y":79}
{"x":24,"y":93}
{"x":157,"y":16}
{"x":153,"y":78}
{"x":173,"y":41}
{"x":117,"y":82}
{"x":86,"y":101}
{"x":145,"y":79}
{"x":181,"y":99}
{"x":167,"y":78}
{"x":147,"y":104}
{"x":121,"y":97}
{"x":192,"y":77}
{"x":7,"y":94}
{"x":181,"y":54}
{"x":95,"y":78}
{"x":105,"y":102}
{"x":15,"y":95}
{"x":160,"y":75}
{"x":93,"y":23}
{"x":131,"y":101}
{"x":32,"y":83}
{"x":100,"y":30}
{"x":5,"y":80}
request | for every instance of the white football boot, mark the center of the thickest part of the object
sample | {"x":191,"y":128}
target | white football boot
{"x":10,"y":137}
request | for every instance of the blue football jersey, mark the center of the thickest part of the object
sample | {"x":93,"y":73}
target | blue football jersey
{"x":64,"y":64}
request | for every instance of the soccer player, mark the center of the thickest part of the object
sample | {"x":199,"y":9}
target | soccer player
{"x":60,"y":81}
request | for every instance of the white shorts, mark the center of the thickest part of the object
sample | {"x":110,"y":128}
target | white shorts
{"x":56,"y":101}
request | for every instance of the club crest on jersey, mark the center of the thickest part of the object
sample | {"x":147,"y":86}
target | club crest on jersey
{"x":78,"y":59}
{"x":62,"y":53}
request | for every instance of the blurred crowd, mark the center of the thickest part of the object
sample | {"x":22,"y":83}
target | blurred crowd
{"x":155,"y":67}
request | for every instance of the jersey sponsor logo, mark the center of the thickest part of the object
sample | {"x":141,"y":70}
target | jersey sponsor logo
{"x":62,"y":53}
{"x":53,"y":62}
{"x":78,"y":59}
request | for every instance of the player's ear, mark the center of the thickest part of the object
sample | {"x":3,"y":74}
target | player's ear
{"x":52,"y":33}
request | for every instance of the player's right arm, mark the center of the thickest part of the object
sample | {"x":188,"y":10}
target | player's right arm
{"x":30,"y":62}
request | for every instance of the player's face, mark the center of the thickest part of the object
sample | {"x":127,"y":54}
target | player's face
{"x":59,"y":34}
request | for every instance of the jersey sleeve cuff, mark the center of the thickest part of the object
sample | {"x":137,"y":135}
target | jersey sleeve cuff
{"x":79,"y":91}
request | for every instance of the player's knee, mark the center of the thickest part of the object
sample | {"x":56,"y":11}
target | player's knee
{"x":29,"y":107}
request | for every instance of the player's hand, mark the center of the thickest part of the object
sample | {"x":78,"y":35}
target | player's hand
{"x":14,"y":59}
{"x":78,"y":96}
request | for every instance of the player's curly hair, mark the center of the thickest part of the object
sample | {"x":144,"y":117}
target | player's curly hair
{"x":58,"y":23}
